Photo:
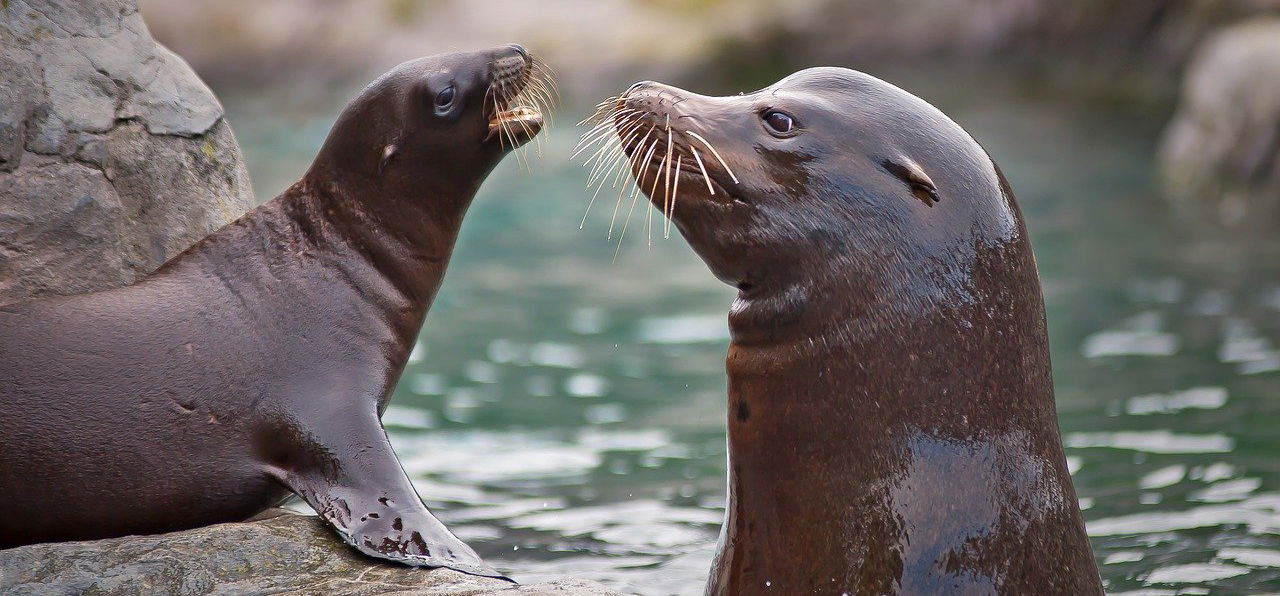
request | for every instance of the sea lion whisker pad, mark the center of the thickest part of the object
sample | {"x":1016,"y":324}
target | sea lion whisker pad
{"x":258,"y":362}
{"x":891,"y":416}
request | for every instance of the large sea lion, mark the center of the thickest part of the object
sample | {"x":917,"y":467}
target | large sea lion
{"x":891,"y":417}
{"x":257,"y":363}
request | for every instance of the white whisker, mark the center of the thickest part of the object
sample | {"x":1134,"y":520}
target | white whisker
{"x":675,"y":193}
{"x":631,"y":161}
{"x":636,"y":193}
{"x":666,"y":162}
{"x":705,"y":178}
{"x":715,"y":153}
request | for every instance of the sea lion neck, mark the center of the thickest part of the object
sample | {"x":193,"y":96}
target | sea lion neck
{"x":313,"y":240}
{"x":406,"y":242}
{"x":838,"y":304}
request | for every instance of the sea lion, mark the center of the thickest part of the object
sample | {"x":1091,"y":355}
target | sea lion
{"x":891,"y":416}
{"x":259,"y":361}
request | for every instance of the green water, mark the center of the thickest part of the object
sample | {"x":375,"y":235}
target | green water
{"x":565,"y":411}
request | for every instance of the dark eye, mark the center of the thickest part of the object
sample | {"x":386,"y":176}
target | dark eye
{"x":445,"y":97}
{"x":779,"y":122}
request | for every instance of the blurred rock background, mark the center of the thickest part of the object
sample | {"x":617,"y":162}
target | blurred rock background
{"x":1224,"y":136}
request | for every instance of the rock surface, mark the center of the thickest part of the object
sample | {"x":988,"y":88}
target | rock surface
{"x":114,"y":156}
{"x":1220,"y":156}
{"x":280,"y":552}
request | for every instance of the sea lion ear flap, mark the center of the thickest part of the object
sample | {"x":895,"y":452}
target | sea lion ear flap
{"x":387,"y":153}
{"x":910,"y":172}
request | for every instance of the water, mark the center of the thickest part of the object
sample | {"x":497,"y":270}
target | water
{"x":564,"y":412}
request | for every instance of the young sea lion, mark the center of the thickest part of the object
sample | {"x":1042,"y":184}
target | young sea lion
{"x":258,"y":362}
{"x":891,"y":417}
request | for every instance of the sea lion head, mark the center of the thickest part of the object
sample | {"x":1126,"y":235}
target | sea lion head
{"x":829,"y":178}
{"x":437,"y":123}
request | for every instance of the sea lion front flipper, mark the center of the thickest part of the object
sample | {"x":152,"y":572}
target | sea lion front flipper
{"x":352,"y":478}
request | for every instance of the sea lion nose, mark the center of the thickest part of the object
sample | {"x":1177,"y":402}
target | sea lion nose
{"x":637,"y":86}
{"x":520,"y":49}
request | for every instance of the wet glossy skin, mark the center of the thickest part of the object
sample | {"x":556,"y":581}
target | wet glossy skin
{"x":891,"y":417}
{"x":257,"y":362}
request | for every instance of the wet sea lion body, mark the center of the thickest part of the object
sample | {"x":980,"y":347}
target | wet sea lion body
{"x":257,"y":363}
{"x":891,"y":418}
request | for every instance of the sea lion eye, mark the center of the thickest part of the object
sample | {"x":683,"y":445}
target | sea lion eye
{"x":445,"y":97}
{"x":779,"y":122}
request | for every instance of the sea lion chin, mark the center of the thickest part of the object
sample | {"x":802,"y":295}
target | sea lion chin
{"x":891,"y":416}
{"x":258,"y":362}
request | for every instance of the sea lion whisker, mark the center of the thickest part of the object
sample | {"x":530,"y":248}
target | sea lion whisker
{"x":644,"y":171}
{"x":648,"y":224}
{"x":609,"y":158}
{"x":623,"y":158}
{"x":706,"y":178}
{"x":631,"y":161}
{"x":612,"y":155}
{"x":530,"y":93}
{"x":632,"y":133}
{"x":602,"y":112}
{"x":541,"y":102}
{"x":538,"y":143}
{"x":596,"y":137}
{"x":639,"y":189}
{"x":623,"y":124}
{"x":584,"y":146}
{"x":497,"y":109}
{"x":515,"y":146}
{"x":540,"y":67}
{"x":715,"y":153}
{"x":606,"y":124}
{"x":599,"y":157}
{"x":667,"y":178}
{"x":626,"y":166}
{"x":620,"y":146}
{"x":631,"y":123}
{"x":600,"y":109}
{"x":602,"y":125}
{"x":675,"y":193}
{"x":510,"y":94}
{"x":607,"y":144}
{"x":539,"y":89}
{"x":599,"y":162}
{"x":529,"y":133}
{"x":635,"y":192}
{"x":615,"y":164}
{"x":549,"y":77}
{"x":604,"y":163}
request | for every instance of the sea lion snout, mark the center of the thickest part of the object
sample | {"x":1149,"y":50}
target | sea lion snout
{"x":669,"y":134}
{"x":654,"y":103}
{"x":520,"y":89}
{"x":510,"y":66}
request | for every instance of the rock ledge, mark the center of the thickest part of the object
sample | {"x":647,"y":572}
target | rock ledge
{"x":279,"y":552}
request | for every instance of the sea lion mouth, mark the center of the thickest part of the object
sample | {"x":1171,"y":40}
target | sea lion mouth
{"x":522,"y":91}
{"x":528,"y":119}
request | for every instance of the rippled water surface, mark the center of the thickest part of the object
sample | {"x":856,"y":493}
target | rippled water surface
{"x":564,"y":410}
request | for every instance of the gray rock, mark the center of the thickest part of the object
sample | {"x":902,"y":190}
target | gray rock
{"x":1220,"y":155}
{"x":280,"y":552}
{"x":114,"y":156}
